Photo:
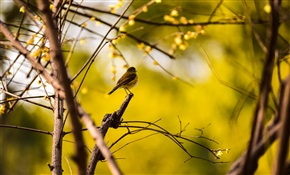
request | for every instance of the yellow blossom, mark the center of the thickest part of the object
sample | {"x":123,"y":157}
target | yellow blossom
{"x":158,"y":1}
{"x":84,"y":25}
{"x":183,"y":20}
{"x":2,"y":109}
{"x":190,"y":35}
{"x":83,"y":41}
{"x":119,"y":4}
{"x":122,"y":36}
{"x":112,"y":9}
{"x":219,"y":153}
{"x":111,"y":47}
{"x":122,"y":28}
{"x":199,"y":29}
{"x":147,"y":49}
{"x":114,"y":41}
{"x":171,"y":51}
{"x":7,"y":46}
{"x":202,"y":32}
{"x":45,"y":49}
{"x":186,"y":36}
{"x":174,"y":12}
{"x":22,"y":9}
{"x":131,"y":17}
{"x":131,"y":22}
{"x":267,"y":8}
{"x":126,"y":66}
{"x":51,"y":6}
{"x":113,"y":69}
{"x":46,"y":57}
{"x":111,"y":54}
{"x":113,"y":78}
{"x":190,"y":21}
{"x":145,"y":8}
{"x":141,"y":46}
{"x":178,"y":40}
{"x":167,"y":18}
{"x":11,"y":99}
{"x":37,"y":17}
{"x":42,"y":39}
{"x":182,"y":46}
{"x":36,"y":53}
{"x":30,"y":41}
{"x":173,"y":46}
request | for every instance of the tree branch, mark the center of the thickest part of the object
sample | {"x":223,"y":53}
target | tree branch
{"x":35,"y":64}
{"x":284,"y":131}
{"x":251,"y":163}
{"x":109,"y":120}
{"x":57,"y":61}
{"x":56,"y":160}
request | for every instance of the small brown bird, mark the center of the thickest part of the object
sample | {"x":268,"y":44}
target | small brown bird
{"x":127,"y":81}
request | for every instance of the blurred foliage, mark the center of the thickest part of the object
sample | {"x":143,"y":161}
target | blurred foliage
{"x":212,"y":106}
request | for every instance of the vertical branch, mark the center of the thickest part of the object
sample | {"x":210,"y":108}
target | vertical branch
{"x":284,"y":131}
{"x":58,"y":122}
{"x":57,"y":61}
{"x":251,"y":163}
{"x":56,"y":160}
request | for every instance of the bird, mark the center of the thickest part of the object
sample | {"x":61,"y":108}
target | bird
{"x":128,"y":80}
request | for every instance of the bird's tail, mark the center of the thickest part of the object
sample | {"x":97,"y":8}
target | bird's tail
{"x":113,"y":90}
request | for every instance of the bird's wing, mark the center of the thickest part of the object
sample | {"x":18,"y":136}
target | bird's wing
{"x":124,"y":81}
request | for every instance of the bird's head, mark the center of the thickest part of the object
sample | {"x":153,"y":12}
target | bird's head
{"x":131,"y":70}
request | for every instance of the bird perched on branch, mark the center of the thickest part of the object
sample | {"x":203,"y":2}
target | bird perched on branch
{"x":127,"y":81}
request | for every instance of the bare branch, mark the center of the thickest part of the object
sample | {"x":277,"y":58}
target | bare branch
{"x":250,"y":164}
{"x":109,"y":120}
{"x":284,"y":131}
{"x":56,"y":160}
{"x":35,"y":64}
{"x":26,"y":129}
